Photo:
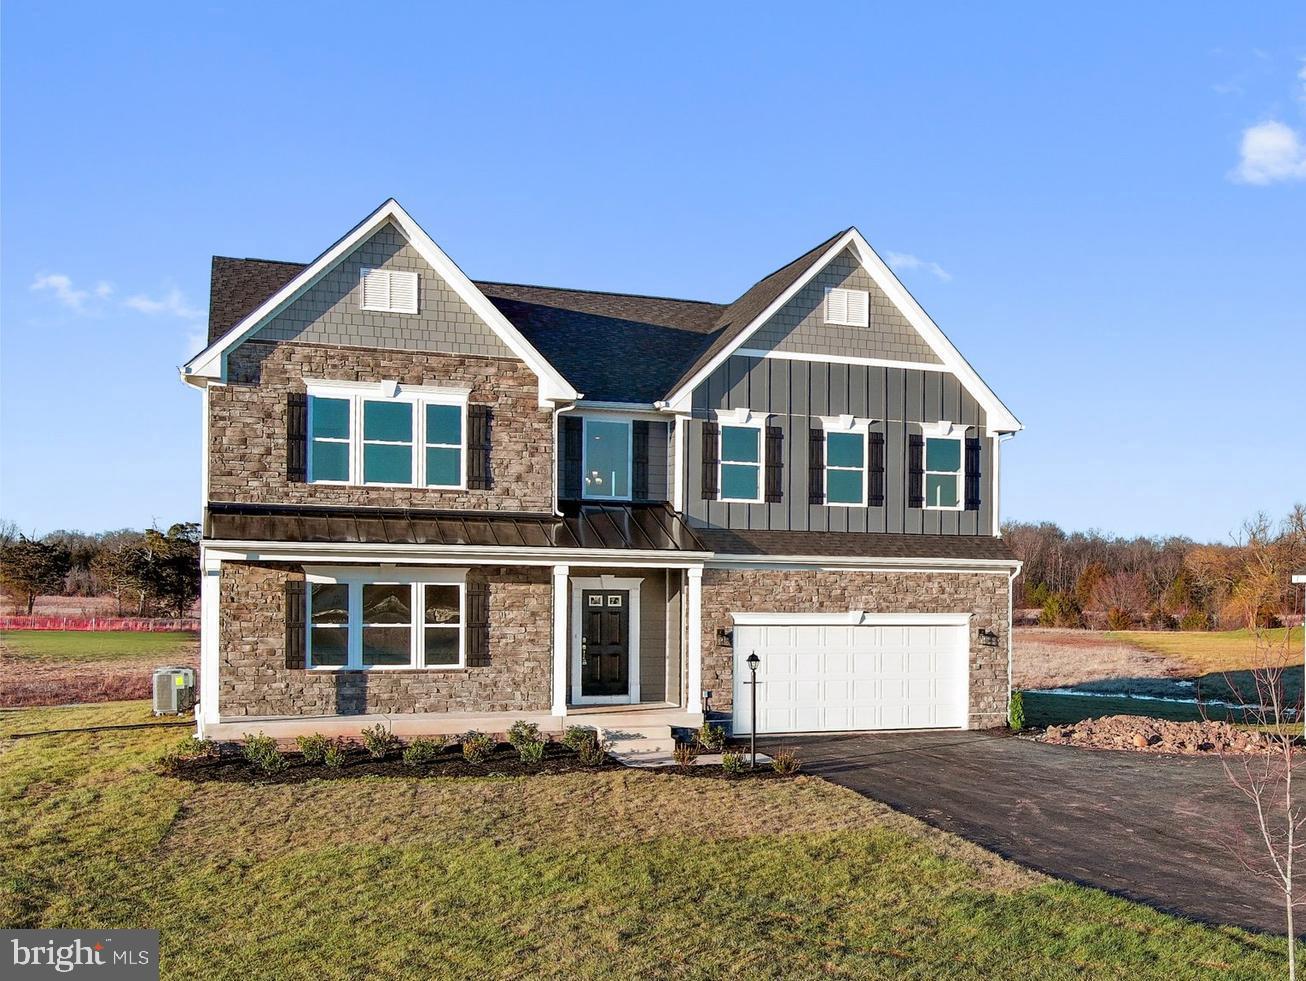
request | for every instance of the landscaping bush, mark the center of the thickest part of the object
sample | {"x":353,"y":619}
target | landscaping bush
{"x":378,"y":741}
{"x":477,"y":746}
{"x":1119,"y":619}
{"x":531,"y":751}
{"x":1195,"y":620}
{"x":262,"y":752}
{"x":685,"y":754}
{"x":711,"y":737}
{"x":335,"y":754}
{"x":422,"y":751}
{"x":313,"y":748}
{"x":733,"y":763}
{"x":592,"y":752}
{"x":786,"y":762}
{"x":522,"y":731}
{"x":1016,"y":712}
{"x":190,"y":748}
{"x":577,"y":736}
{"x":1061,"y":610}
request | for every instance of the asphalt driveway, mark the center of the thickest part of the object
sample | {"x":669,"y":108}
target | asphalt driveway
{"x":1150,"y":828}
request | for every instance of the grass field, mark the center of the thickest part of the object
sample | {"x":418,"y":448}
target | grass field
{"x":73,"y":646}
{"x":1225,"y":650}
{"x":56,"y":667}
{"x":615,"y":874}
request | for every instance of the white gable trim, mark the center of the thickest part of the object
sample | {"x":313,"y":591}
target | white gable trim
{"x":999,"y":417}
{"x":211,"y":363}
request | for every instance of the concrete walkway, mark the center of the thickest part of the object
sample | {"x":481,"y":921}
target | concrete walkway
{"x":1150,"y":828}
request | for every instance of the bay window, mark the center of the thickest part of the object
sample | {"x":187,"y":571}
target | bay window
{"x":607,"y":456}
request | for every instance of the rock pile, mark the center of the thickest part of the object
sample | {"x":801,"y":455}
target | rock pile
{"x":1156,"y":736}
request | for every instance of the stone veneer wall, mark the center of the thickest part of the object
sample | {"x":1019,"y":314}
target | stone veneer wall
{"x":984,"y":596}
{"x":247,"y":426}
{"x":253,"y":679}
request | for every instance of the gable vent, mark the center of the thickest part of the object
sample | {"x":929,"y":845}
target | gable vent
{"x":389,"y":291}
{"x":848,"y":308}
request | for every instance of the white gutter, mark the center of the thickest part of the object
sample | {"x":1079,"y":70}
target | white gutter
{"x":240,"y":551}
{"x":874,"y":563}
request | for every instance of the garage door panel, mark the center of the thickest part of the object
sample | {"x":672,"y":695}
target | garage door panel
{"x":841,"y":677}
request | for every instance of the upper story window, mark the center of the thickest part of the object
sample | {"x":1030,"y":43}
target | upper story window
{"x":943,"y":473}
{"x":387,"y":435}
{"x":370,"y":619}
{"x":847,"y":308}
{"x":741,"y":463}
{"x":606,"y":461}
{"x":388,"y":290}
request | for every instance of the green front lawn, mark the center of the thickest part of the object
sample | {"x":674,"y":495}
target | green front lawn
{"x":74,"y":646}
{"x":613,"y":874}
{"x":1208,"y":652}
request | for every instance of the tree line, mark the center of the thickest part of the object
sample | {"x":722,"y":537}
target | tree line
{"x":1078,"y":579}
{"x":148,"y":573}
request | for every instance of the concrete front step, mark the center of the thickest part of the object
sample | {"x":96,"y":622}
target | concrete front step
{"x":624,"y":748}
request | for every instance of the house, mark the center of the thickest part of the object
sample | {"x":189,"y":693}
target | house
{"x":456,"y":503}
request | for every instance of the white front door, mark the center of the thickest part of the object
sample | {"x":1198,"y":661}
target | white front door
{"x":850,"y":676}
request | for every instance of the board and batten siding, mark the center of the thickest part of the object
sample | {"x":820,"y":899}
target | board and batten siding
{"x":797,"y":393}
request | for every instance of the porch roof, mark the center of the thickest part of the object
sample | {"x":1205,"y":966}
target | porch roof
{"x":644,"y":527}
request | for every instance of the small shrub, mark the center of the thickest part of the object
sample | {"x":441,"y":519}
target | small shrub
{"x":313,"y":748}
{"x":378,"y":740}
{"x":335,"y":754}
{"x":522,"y":731}
{"x":421,"y":751}
{"x":1016,"y":711}
{"x":1118,"y":618}
{"x":711,"y":737}
{"x":261,"y":751}
{"x":477,"y":746}
{"x":1061,"y":610}
{"x":592,"y":752}
{"x":190,"y":748}
{"x":685,"y":754}
{"x":531,"y":752}
{"x":1195,"y":620}
{"x":1159,"y":619}
{"x":577,"y":736}
{"x":786,"y":762}
{"x":733,"y":763}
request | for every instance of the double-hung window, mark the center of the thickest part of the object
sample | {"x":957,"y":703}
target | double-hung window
{"x":387,"y":435}
{"x":607,"y":456}
{"x":943,"y":473}
{"x":845,"y":468}
{"x":372,"y":619}
{"x":741,"y":463}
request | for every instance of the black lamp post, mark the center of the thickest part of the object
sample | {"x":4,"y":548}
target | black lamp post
{"x":753,"y":662}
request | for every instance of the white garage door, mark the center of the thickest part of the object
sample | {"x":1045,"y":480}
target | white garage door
{"x":831,"y":677}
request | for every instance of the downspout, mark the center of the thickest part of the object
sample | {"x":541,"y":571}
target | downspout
{"x":558,"y":409}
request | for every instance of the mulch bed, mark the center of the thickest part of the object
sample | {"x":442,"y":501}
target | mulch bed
{"x":230,"y":766}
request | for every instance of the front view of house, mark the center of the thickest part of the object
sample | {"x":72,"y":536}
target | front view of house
{"x":456,"y":504}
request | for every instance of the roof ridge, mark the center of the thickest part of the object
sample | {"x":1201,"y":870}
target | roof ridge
{"x":578,"y":289}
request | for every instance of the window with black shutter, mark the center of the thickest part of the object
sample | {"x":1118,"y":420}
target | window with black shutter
{"x":875,"y":476}
{"x":639,"y":461}
{"x":479,"y":475}
{"x":775,"y":464}
{"x":297,"y":437}
{"x":296,"y":626}
{"x":478,"y":624}
{"x":915,"y":470}
{"x":711,"y":461}
{"x":972,"y":473}
{"x":572,"y":442}
{"x":816,"y":466}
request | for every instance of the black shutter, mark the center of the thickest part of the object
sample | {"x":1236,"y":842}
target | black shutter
{"x":816,"y":466}
{"x":478,"y":624}
{"x":297,"y":437}
{"x":573,"y":437}
{"x":775,"y":465}
{"x":478,"y":447}
{"x":915,"y":471}
{"x":639,"y":463}
{"x":711,"y":461}
{"x":296,"y":628}
{"x":875,"y":475}
{"x":972,"y":473}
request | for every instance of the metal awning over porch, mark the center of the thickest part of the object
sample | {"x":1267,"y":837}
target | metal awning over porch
{"x":641,"y":527}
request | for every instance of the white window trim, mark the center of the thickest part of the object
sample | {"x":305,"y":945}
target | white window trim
{"x":389,"y":274}
{"x":417,"y":396}
{"x":847,"y":321}
{"x":415,"y":579}
{"x":944,"y":430}
{"x":853,"y":425}
{"x":585,"y":455}
{"x":741,"y":419}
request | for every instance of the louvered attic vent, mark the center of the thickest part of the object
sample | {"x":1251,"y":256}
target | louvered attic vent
{"x":389,"y":291}
{"x":848,"y":308}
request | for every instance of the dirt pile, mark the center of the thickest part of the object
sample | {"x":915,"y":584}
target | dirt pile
{"x":1156,"y":736}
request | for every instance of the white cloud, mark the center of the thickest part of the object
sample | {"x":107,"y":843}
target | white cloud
{"x":1270,"y":151}
{"x":903,"y":261}
{"x":1301,"y":77}
{"x":103,"y":288}
{"x":61,"y":287}
{"x":172,"y":304}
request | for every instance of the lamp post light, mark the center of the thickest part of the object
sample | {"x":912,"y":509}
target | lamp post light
{"x":753,"y":662}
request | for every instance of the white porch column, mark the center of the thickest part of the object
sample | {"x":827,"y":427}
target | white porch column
{"x":694,"y":642}
{"x":560,"y":601}
{"x":211,"y":570}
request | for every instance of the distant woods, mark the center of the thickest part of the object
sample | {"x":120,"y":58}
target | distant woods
{"x":1077,"y":579}
{"x":148,"y":573}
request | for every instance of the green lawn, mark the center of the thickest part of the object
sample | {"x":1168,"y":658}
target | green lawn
{"x":95,"y":645}
{"x":614,"y":874}
{"x":1207,"y":652}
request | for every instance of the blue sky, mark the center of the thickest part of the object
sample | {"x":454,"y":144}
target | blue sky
{"x":1104,"y":207}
